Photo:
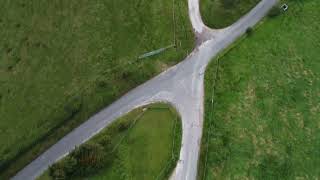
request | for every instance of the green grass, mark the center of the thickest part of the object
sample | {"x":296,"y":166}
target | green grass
{"x":148,"y":150}
{"x":62,"y":61}
{"x":222,"y":13}
{"x":264,"y":123}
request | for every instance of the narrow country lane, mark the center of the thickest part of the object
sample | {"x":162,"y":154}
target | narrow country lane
{"x":181,"y":85}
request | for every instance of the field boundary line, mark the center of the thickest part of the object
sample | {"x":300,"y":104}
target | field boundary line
{"x":211,"y":116}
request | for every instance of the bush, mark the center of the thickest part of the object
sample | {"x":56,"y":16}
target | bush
{"x":105,"y":141}
{"x":73,"y":105}
{"x":83,"y":161}
{"x":90,"y":157}
{"x":70,"y":166}
{"x":275,"y":11}
{"x":56,"y":171}
{"x":249,"y":31}
{"x":63,"y":169}
{"x":124,"y":125}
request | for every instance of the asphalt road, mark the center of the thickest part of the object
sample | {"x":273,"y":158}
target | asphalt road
{"x":182,"y":86}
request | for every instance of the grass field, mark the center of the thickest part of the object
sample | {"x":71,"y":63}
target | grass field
{"x":62,"y":61}
{"x":148,"y":149}
{"x":222,"y":13}
{"x":264,"y":123}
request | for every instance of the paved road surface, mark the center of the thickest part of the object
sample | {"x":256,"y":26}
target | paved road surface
{"x":181,"y":86}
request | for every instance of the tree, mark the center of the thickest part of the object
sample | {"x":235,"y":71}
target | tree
{"x":90,"y":157}
{"x":56,"y":171}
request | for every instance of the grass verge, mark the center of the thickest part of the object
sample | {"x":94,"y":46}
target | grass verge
{"x":263,"y":123}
